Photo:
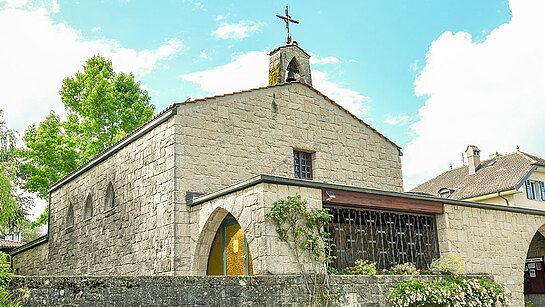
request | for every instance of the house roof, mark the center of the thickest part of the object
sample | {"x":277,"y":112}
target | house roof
{"x":9,"y":243}
{"x":164,"y":114}
{"x":504,"y":174}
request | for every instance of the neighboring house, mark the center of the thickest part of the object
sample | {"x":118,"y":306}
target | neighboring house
{"x":514,"y":179}
{"x":7,"y":245}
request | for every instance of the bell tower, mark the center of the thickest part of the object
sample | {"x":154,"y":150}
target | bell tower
{"x":289,"y":63}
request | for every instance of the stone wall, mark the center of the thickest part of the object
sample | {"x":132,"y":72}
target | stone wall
{"x":202,"y":291}
{"x":224,"y":140}
{"x":249,"y":206}
{"x":494,"y":242}
{"x":135,"y":237}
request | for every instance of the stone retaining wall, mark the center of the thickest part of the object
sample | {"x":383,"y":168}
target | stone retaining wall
{"x":202,"y":290}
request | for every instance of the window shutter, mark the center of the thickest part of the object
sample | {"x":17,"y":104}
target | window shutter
{"x":542,"y":189}
{"x":529,"y":190}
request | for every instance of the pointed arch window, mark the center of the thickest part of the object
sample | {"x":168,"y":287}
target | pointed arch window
{"x":88,"y":208}
{"x":109,"y":201}
{"x":293,"y":72}
{"x":70,"y":216}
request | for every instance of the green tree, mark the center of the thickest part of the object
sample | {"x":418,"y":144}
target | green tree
{"x":102,"y":106}
{"x":12,"y":205}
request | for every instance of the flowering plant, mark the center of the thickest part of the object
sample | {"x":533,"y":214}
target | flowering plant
{"x":447,"y":265}
{"x":449,"y":291}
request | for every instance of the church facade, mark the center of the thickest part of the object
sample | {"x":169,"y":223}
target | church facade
{"x":187,"y":194}
{"x":139,"y":188}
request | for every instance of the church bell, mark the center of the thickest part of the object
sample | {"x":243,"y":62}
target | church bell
{"x":291,"y":76}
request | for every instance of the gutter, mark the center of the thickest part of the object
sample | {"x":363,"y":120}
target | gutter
{"x":323,"y":185}
{"x":41,"y":240}
{"x":492,"y":195}
{"x":506,"y":200}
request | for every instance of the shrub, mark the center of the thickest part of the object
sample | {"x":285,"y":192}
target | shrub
{"x":7,"y":298}
{"x":448,"y":291}
{"x":447,"y":265}
{"x":365,"y":268}
{"x":404,"y":269}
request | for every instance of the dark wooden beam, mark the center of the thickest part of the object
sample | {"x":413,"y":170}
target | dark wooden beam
{"x":383,"y":202}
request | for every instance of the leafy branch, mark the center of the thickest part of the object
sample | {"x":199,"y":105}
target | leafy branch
{"x":302,"y":229}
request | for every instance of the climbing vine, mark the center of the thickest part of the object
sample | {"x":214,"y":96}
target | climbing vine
{"x":302,"y":229}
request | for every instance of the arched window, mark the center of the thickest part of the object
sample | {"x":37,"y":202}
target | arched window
{"x":109,"y":201}
{"x":293,"y":72}
{"x":88,"y":209}
{"x":70,"y":216}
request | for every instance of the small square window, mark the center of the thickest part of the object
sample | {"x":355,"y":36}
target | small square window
{"x":302,"y":165}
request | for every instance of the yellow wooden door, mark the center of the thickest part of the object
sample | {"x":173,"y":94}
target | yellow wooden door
{"x":230,"y":254}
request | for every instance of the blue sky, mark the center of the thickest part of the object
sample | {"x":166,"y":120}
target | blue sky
{"x":386,"y":38}
{"x":433,"y":76}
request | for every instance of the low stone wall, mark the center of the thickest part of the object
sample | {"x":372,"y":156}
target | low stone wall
{"x":202,"y":290}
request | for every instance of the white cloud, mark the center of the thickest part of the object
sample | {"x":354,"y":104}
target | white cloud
{"x":221,"y":17}
{"x":250,"y":70}
{"x":401,"y":119}
{"x":49,"y":5}
{"x":197,"y":4}
{"x":314,"y":59}
{"x":490,"y":94}
{"x":415,"y":65}
{"x":96,"y":29}
{"x":353,"y":61}
{"x":42,"y":53}
{"x":239,"y":30}
{"x":203,"y":54}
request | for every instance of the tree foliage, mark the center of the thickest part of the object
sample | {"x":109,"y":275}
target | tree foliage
{"x":102,"y":107}
{"x":12,"y":204}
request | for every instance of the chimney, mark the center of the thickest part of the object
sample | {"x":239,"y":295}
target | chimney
{"x":494,"y":156}
{"x":473,"y":158}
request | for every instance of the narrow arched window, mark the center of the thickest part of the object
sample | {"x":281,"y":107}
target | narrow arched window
{"x":70,"y":216}
{"x":88,"y":209}
{"x":109,"y":201}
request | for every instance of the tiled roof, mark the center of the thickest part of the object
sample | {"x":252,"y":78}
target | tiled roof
{"x":504,"y":174}
{"x":9,"y":243}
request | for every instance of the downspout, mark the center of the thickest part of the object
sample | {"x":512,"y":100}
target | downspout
{"x":506,"y":200}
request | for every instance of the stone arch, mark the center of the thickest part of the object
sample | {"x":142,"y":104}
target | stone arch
{"x":205,"y":239}
{"x":294,"y":67}
{"x":109,"y":199}
{"x":70,"y":216}
{"x":534,"y":269}
{"x":207,"y":232}
{"x":88,"y":208}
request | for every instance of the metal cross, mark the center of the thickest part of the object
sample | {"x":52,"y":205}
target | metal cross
{"x":287,"y":19}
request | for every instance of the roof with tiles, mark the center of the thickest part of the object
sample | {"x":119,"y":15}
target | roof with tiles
{"x":107,"y":151}
{"x":9,"y":243}
{"x":493,"y":175}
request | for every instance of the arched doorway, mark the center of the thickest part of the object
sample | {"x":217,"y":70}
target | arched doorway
{"x":534,"y":271}
{"x":230,"y":254}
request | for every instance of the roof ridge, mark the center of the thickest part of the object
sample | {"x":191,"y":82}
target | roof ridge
{"x":524,"y":155}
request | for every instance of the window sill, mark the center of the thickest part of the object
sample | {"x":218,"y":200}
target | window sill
{"x":87,"y":219}
{"x":109,"y":211}
{"x":69,"y":229}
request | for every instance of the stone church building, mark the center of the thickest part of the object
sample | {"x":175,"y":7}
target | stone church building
{"x":187,"y":193}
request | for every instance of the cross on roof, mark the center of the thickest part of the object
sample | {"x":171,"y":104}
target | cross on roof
{"x":287,"y":19}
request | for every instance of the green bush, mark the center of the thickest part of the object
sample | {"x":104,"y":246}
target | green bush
{"x":449,"y":291}
{"x":7,"y":298}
